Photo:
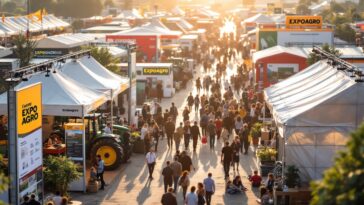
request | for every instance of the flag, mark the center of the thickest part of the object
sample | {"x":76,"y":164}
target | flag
{"x":3,"y":18}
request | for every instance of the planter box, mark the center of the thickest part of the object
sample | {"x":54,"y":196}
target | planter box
{"x":266,"y":167}
{"x":139,"y":147}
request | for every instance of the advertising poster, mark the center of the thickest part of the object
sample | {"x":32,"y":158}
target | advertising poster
{"x":279,"y":72}
{"x":29,"y":142}
{"x":75,"y":150}
{"x":267,"y":39}
{"x":309,"y":38}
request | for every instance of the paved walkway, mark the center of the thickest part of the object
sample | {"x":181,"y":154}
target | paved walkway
{"x":130,"y":184}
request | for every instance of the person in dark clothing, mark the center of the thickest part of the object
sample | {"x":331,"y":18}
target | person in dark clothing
{"x":187,"y":134}
{"x":170,"y":127}
{"x":211,"y":129}
{"x":173,"y":111}
{"x":226,"y":158}
{"x":190,"y":101}
{"x":167,"y":173}
{"x":33,"y":201}
{"x":169,"y":198}
{"x":244,"y":139}
{"x":195,"y":133}
{"x":186,"y":162}
{"x":160,"y":91}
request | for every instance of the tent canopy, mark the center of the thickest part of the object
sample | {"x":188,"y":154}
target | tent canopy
{"x":65,"y":41}
{"x":315,"y":111}
{"x":61,"y":96}
{"x":259,"y":18}
{"x":275,"y":50}
{"x":129,"y":14}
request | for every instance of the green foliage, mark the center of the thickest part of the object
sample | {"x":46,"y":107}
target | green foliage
{"x":346,"y":33}
{"x":292,"y":176}
{"x":77,"y":25}
{"x":59,"y":172}
{"x":313,"y":57}
{"x":69,"y":8}
{"x":256,"y":130}
{"x":343,"y":183}
{"x":267,"y":154}
{"x":24,"y":49}
{"x":303,"y":9}
{"x":104,"y":57}
{"x":9,"y":7}
{"x":109,"y":3}
{"x":4,"y":181}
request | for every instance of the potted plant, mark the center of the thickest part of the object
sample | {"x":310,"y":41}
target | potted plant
{"x":59,"y":173}
{"x":138,"y":143}
{"x":255,"y":133}
{"x":292,"y":176}
{"x":267,"y":158}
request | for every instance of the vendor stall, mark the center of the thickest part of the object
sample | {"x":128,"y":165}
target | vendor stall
{"x":315,"y":110}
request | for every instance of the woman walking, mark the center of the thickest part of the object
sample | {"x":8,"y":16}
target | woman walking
{"x":201,"y":194}
{"x":184,"y":182}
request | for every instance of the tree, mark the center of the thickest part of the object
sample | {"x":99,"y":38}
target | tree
{"x":109,"y":3}
{"x":49,"y":5}
{"x":104,"y":57}
{"x":24,"y":49}
{"x":59,"y":173}
{"x":303,"y":9}
{"x":9,"y":7}
{"x":345,"y":32}
{"x":343,"y":183}
{"x":78,"y":8}
{"x":313,"y":57}
{"x":4,"y":181}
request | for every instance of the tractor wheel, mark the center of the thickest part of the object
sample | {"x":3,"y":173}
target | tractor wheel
{"x":110,"y":151}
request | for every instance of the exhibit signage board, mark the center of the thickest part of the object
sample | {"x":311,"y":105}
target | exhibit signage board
{"x":75,"y":150}
{"x":304,"y":22}
{"x":29,"y":141}
{"x":155,"y":71}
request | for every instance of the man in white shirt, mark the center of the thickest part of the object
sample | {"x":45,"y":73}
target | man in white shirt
{"x":57,"y":199}
{"x":150,"y":159}
{"x":108,"y":129}
{"x":191,"y":198}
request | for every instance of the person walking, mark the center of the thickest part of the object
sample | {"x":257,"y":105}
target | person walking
{"x":33,"y":201}
{"x":167,"y":173}
{"x":184,"y":182}
{"x":176,"y":167}
{"x":25,"y":200}
{"x":150,"y":159}
{"x":209,"y":184}
{"x":235,"y":145}
{"x":170,"y":128}
{"x":204,"y":121}
{"x":197,"y":103}
{"x":211,"y":129}
{"x":244,"y":139}
{"x":156,"y":133}
{"x":195,"y":133}
{"x":201,"y":193}
{"x":198,"y":84}
{"x":191,"y":197}
{"x":173,"y":111}
{"x":187,"y":134}
{"x":100,"y":171}
{"x":169,"y":198}
{"x":178,"y":135}
{"x":226,"y":158}
{"x":186,"y":162}
{"x":190,"y":101}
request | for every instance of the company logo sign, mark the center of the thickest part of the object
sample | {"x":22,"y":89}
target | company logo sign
{"x":304,"y":21}
{"x":155,"y":71}
{"x":29,"y":109}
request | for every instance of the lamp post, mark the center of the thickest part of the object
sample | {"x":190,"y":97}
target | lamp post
{"x":131,"y":73}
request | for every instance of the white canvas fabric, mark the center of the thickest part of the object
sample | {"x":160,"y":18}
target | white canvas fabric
{"x":315,"y":111}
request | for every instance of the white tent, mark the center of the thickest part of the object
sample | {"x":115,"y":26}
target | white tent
{"x":61,"y":96}
{"x":259,"y":19}
{"x":81,"y":74}
{"x":101,"y":71}
{"x":129,"y":14}
{"x":315,"y":111}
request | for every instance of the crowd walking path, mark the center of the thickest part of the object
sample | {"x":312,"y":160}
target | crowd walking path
{"x":130,"y":185}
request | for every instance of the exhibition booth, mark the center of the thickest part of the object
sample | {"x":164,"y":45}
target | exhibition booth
{"x":315,"y":111}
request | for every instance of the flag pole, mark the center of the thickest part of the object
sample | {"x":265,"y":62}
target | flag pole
{"x":28,"y":12}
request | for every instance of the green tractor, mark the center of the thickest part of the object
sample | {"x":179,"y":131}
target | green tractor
{"x":114,"y":149}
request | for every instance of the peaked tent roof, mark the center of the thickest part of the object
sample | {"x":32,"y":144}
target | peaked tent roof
{"x":61,"y":96}
{"x":275,"y":50}
{"x":259,"y":18}
{"x":316,"y":85}
{"x":129,"y":14}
